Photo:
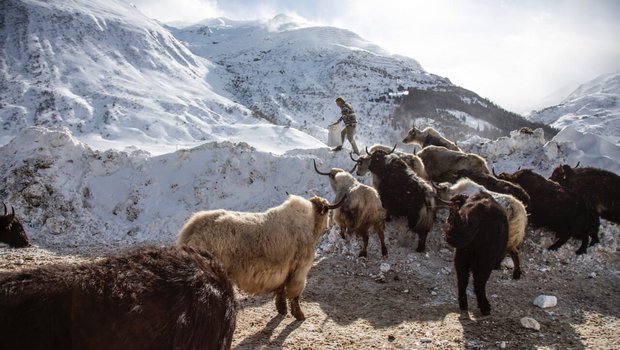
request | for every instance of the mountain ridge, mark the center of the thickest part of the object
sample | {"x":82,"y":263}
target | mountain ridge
{"x":117,"y":78}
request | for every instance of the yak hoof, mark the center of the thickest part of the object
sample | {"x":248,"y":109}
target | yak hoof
{"x":362,"y":254}
{"x":296,"y":310}
{"x":581,"y":251}
{"x":516,"y":275}
{"x":486,"y":311}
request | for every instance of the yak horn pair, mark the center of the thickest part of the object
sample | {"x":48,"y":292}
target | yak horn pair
{"x":329,"y":174}
{"x":6,"y":211}
{"x":390,"y":152}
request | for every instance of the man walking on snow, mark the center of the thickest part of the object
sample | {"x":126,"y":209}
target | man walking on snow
{"x":347,"y":115}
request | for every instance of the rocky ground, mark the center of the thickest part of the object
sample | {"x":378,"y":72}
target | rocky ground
{"x":408,"y":300}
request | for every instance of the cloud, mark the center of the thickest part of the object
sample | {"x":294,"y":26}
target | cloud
{"x":517,"y":53}
{"x":179,"y":10}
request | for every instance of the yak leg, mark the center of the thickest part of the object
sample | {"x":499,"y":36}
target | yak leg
{"x":422,"y":241}
{"x":462,"y":279}
{"x":294,"y":287}
{"x":363,"y":232}
{"x":280,"y":295}
{"x":343,"y":230}
{"x":594,"y":237}
{"x":379,"y":228}
{"x":296,"y":309}
{"x":560,"y":242}
{"x":516,"y":273}
{"x":584,"y":245}
{"x":480,"y":283}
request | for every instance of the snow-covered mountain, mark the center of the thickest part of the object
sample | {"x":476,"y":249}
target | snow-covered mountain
{"x":116,"y":78}
{"x":290,"y":72}
{"x":112,"y":76}
{"x":593,"y":108}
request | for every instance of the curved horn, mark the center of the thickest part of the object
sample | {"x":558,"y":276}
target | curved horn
{"x":368,"y":153}
{"x":577,"y":165}
{"x":334,"y":206}
{"x":445,"y":202}
{"x":493,"y":171}
{"x":353,"y":159}
{"x":4,"y":208}
{"x":317,"y":170}
{"x":12,"y":213}
{"x":392,"y":151}
{"x":354,"y":167}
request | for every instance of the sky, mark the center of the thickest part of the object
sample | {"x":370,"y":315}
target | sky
{"x":521,"y":54}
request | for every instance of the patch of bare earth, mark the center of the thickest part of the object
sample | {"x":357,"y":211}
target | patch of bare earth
{"x":408,"y":300}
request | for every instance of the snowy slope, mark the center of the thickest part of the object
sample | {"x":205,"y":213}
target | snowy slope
{"x":113,"y":77}
{"x":118,"y":79}
{"x":290,"y":73}
{"x":593,"y":108}
{"x":68,"y":194}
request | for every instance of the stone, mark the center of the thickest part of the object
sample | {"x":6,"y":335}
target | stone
{"x":530,"y":323}
{"x":385,"y":267}
{"x":545,"y":301}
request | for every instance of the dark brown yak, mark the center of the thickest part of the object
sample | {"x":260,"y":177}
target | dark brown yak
{"x":11,"y":230}
{"x":600,"y":188}
{"x":148,"y":298}
{"x":478,"y":229}
{"x":558,"y":209}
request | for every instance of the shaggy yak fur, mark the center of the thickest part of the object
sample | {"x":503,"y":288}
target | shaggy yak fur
{"x":413,"y":161}
{"x":600,"y":188}
{"x":265,"y":252}
{"x":403,"y":193}
{"x":478,"y":229}
{"x":11,"y":230}
{"x":428,"y":137}
{"x":515,"y":211}
{"x":360,"y":210}
{"x":558,"y":209}
{"x":442,"y":164}
{"x":492,"y":183}
{"x":147,"y":298}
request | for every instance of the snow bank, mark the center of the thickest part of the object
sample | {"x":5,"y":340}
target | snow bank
{"x":525,"y":149}
{"x":69,"y":194}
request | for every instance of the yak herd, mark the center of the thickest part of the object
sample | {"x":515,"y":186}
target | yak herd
{"x":182,"y":297}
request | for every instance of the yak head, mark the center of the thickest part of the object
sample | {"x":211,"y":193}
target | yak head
{"x":412,"y":135}
{"x":463,"y":221}
{"x":378,"y":160}
{"x":338,"y":178}
{"x":361,"y":163}
{"x":321,"y":208}
{"x":562,"y":173}
{"x":11,"y":230}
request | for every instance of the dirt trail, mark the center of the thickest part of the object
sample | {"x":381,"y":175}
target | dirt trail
{"x":350,"y":303}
